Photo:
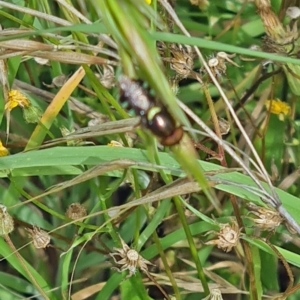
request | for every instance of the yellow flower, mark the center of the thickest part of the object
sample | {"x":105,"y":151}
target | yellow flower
{"x":31,"y":113}
{"x":16,"y":98}
{"x":278,"y":107}
{"x":148,"y":1}
{"x":3,"y":150}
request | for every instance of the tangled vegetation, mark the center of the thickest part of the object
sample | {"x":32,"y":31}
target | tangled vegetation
{"x":149,"y":149}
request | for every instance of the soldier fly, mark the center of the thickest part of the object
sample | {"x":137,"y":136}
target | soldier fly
{"x":154,"y":116}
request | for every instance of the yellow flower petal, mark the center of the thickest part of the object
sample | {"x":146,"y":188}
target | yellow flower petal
{"x":278,"y":107}
{"x":148,"y":1}
{"x":3,"y":150}
{"x":16,"y":98}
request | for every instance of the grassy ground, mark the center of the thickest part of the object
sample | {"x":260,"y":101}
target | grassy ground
{"x":99,"y":205}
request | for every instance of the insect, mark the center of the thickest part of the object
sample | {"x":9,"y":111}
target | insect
{"x":154,"y":116}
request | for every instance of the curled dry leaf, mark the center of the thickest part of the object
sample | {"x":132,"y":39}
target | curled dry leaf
{"x":130,"y":260}
{"x":26,"y":45}
{"x":41,"y":61}
{"x":72,"y":57}
{"x":228,"y":237}
{"x":57,"y":81}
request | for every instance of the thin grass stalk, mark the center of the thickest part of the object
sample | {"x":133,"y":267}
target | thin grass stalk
{"x":22,"y":262}
{"x":177,"y":201}
{"x":167,"y":268}
{"x":233,"y":200}
{"x":215,"y":123}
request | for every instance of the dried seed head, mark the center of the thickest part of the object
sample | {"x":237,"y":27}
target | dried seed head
{"x":129,"y":259}
{"x":213,"y":62}
{"x":76,"y":211}
{"x":228,"y":237}
{"x":40,"y":238}
{"x":181,"y":60}
{"x":107,"y":79}
{"x":224,"y":126}
{"x":215,"y":294}
{"x":267,"y":219}
{"x":217,"y":64}
{"x":6,"y":221}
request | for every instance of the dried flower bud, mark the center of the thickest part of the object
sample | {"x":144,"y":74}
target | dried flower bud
{"x":217,"y":64}
{"x":107,"y":79}
{"x":224,"y":126}
{"x":267,"y":219}
{"x":40,"y":238}
{"x":6,"y":221}
{"x":181,"y":60}
{"x":76,"y":211}
{"x":228,"y":237}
